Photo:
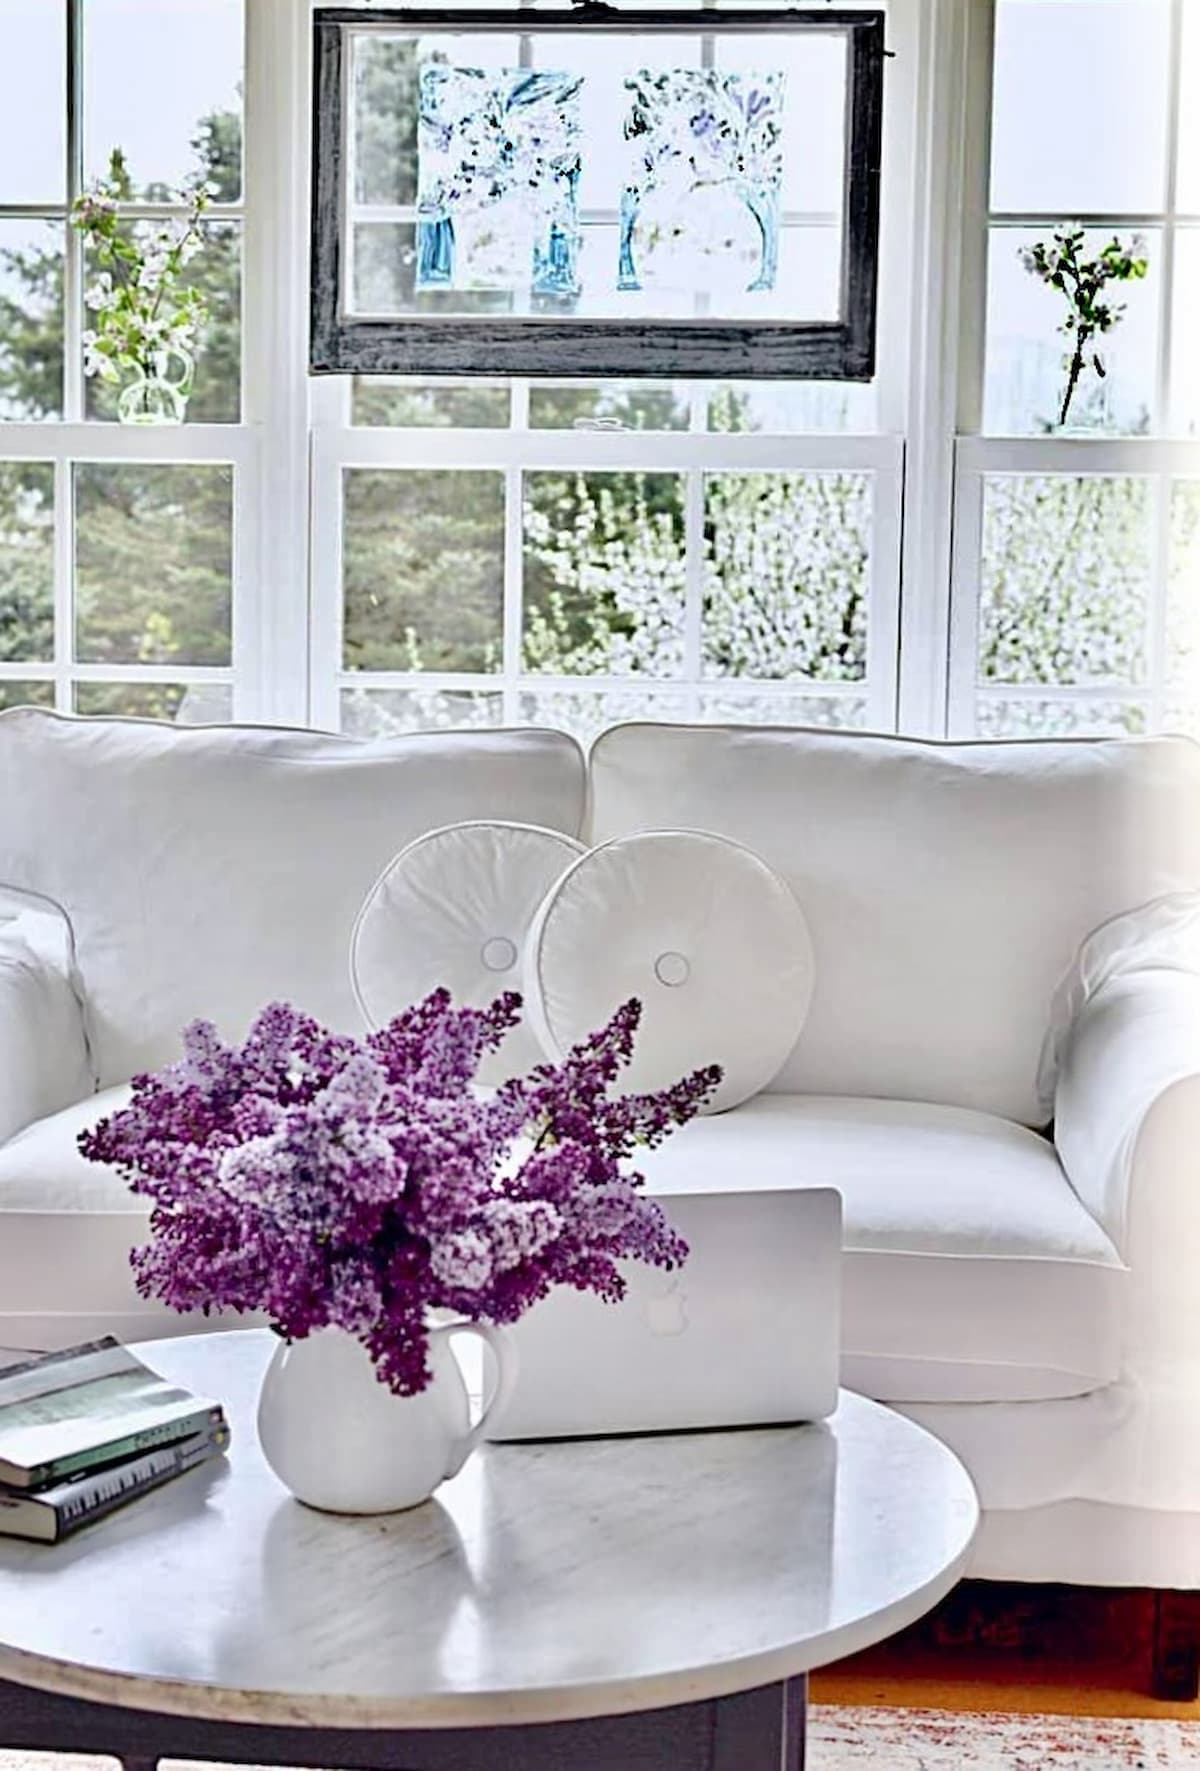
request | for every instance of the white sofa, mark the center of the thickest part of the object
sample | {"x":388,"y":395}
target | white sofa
{"x":1031,"y":1299}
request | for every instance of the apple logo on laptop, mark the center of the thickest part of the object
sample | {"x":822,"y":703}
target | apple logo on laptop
{"x":666,"y":1312}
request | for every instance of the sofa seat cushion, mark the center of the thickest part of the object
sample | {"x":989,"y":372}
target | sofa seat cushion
{"x":66,"y":1230}
{"x":972,"y":1271}
{"x":972,"y":1274}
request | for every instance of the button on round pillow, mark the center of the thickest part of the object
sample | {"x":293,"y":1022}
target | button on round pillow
{"x":707,"y":937}
{"x":454,"y":908}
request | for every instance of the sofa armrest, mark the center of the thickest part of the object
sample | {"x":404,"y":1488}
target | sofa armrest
{"x":1127,"y":1129}
{"x":44,"y":1061}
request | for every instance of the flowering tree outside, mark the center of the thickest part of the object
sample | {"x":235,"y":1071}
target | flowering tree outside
{"x":1064,"y":580}
{"x":785,"y":576}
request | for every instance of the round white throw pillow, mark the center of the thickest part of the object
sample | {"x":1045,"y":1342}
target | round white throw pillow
{"x":454,"y":908}
{"x":707,"y":937}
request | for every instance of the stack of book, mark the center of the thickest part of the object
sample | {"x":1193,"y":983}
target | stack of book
{"x":88,"y":1430}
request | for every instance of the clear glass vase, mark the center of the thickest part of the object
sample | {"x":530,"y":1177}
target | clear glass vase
{"x":156,"y":395}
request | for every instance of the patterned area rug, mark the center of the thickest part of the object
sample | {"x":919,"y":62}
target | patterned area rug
{"x":945,"y":1740}
{"x":846,"y":1739}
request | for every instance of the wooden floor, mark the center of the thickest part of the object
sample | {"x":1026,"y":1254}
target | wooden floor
{"x":1056,"y":1650}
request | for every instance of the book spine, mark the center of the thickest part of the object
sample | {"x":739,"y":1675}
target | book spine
{"x":106,"y":1493}
{"x":78,"y":1462}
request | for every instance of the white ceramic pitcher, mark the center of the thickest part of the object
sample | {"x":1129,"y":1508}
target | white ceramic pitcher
{"x":340,"y":1440}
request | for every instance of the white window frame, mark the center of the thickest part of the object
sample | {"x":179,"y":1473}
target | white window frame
{"x":338,"y":446}
{"x":73,"y":441}
{"x":972,"y":455}
{"x":295,"y":437}
{"x":691,"y":453}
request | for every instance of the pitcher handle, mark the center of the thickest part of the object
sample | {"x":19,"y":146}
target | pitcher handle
{"x":505,"y":1353}
{"x":182,"y":384}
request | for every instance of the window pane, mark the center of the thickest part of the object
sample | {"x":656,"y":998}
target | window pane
{"x":385,"y":110}
{"x":187,"y":704}
{"x":1058,"y":719}
{"x":784,"y":710}
{"x":385,"y":277}
{"x":33,"y":144}
{"x":423,"y":570}
{"x":31,"y":319}
{"x":1079,"y":108}
{"x":586,"y":714}
{"x":26,"y":562}
{"x":158,"y":80}
{"x":1064,"y":579}
{"x":787,"y":575}
{"x":1185,"y":337}
{"x":1187,"y":194}
{"x":604,"y":574}
{"x":24,"y":693}
{"x":377,"y":713}
{"x":785,"y":406}
{"x":609,"y":406}
{"x":216,"y":396}
{"x":379,"y":400}
{"x":1183,"y":604}
{"x":1027,"y":355}
{"x":153,"y":564}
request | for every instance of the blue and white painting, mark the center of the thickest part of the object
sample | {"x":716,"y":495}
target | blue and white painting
{"x":701,"y":199}
{"x":498,"y":180}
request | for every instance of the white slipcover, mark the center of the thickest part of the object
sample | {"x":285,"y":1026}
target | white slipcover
{"x":43,"y":1055}
{"x":208,"y":870}
{"x":947,"y":886}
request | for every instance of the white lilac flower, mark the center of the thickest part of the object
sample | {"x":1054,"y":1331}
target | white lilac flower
{"x":519,"y":1229}
{"x":462,"y":1260}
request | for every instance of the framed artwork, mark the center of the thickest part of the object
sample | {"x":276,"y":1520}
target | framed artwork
{"x":596,"y":192}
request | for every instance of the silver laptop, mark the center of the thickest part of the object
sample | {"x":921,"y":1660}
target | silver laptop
{"x":745,"y":1334}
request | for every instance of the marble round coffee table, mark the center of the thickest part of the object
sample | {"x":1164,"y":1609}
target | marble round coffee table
{"x":604,"y":1603}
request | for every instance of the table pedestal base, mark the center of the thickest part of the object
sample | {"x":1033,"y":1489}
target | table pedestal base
{"x":759,"y":1730}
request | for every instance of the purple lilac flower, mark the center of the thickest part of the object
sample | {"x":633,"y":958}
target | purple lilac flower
{"x":360,"y":1184}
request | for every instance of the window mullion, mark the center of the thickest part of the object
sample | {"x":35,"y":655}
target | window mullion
{"x":949,"y":67}
{"x":514,"y":565}
{"x":1166,"y":305}
{"x":1157,"y":662}
{"x":275,"y":590}
{"x":73,"y":272}
{"x":693,"y":604}
{"x":64,"y":582}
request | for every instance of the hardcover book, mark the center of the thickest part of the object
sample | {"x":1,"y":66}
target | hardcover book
{"x":62,"y":1414}
{"x":47,"y":1515}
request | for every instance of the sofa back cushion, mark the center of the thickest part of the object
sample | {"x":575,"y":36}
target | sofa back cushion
{"x":206,"y":871}
{"x":947,"y":886}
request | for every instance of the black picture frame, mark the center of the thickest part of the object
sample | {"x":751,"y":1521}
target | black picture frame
{"x":542,"y":345}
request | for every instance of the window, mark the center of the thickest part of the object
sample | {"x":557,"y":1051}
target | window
{"x":1075,"y":552}
{"x":929,"y":549}
{"x":597,"y":192}
{"x":117,"y":544}
{"x":587,"y":554}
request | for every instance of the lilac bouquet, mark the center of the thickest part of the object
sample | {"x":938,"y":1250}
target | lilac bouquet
{"x":360,"y":1183}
